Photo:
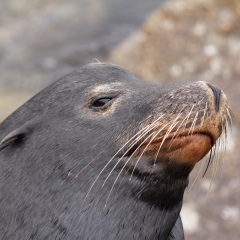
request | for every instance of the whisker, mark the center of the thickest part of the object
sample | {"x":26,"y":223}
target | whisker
{"x":132,"y":156}
{"x":209,"y":160}
{"x":213,"y":161}
{"x":171,"y":142}
{"x":123,"y":169}
{"x":204,"y":113}
{"x":167,"y":134}
{"x":89,"y":163}
{"x":223,"y":143}
{"x":131,"y":139}
{"x":193,"y":124}
{"x":229,"y":118}
{"x":146,"y":148}
{"x":198,"y":175}
{"x":204,"y":160}
{"x":189,"y":115}
{"x":222,"y":148}
{"x":217,"y":158}
{"x":129,"y":149}
{"x":224,"y":136}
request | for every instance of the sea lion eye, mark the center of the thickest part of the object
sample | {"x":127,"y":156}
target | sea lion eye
{"x":101,"y":102}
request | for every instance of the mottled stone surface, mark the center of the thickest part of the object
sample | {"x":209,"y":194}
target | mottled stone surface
{"x":197,"y":40}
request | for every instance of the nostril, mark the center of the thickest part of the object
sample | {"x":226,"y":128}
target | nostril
{"x":217,"y":95}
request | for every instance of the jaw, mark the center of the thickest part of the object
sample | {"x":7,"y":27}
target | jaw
{"x":180,"y":152}
{"x":164,"y":164}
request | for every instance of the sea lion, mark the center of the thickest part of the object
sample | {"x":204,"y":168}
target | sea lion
{"x":102,"y":154}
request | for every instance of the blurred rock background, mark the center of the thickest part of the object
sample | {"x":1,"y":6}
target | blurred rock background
{"x":182,"y":40}
{"x":43,"y":40}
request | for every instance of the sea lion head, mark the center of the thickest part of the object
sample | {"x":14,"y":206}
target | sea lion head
{"x":70,"y":152}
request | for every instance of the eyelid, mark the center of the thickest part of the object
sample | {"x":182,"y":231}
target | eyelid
{"x":100,"y":102}
{"x":110,"y":96}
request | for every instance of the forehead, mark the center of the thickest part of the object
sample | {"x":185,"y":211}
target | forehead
{"x":107,"y":87}
{"x":105,"y":74}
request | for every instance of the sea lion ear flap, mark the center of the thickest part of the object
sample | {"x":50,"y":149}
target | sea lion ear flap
{"x":16,"y":136}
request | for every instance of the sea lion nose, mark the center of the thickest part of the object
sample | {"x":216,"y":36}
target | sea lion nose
{"x":217,"y":95}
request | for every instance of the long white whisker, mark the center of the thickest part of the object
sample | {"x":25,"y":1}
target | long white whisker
{"x":167,"y":134}
{"x":126,"y":165}
{"x":147,"y":147}
{"x":189,"y":115}
{"x":212,"y":174}
{"x":142,"y":135}
{"x":193,"y":124}
{"x":198,"y":175}
{"x":177,"y":130}
{"x":224,"y":136}
{"x":131,"y":139}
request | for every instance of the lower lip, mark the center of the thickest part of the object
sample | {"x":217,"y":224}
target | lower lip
{"x":188,"y":149}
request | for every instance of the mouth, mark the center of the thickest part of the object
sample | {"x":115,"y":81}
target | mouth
{"x":185,"y":148}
